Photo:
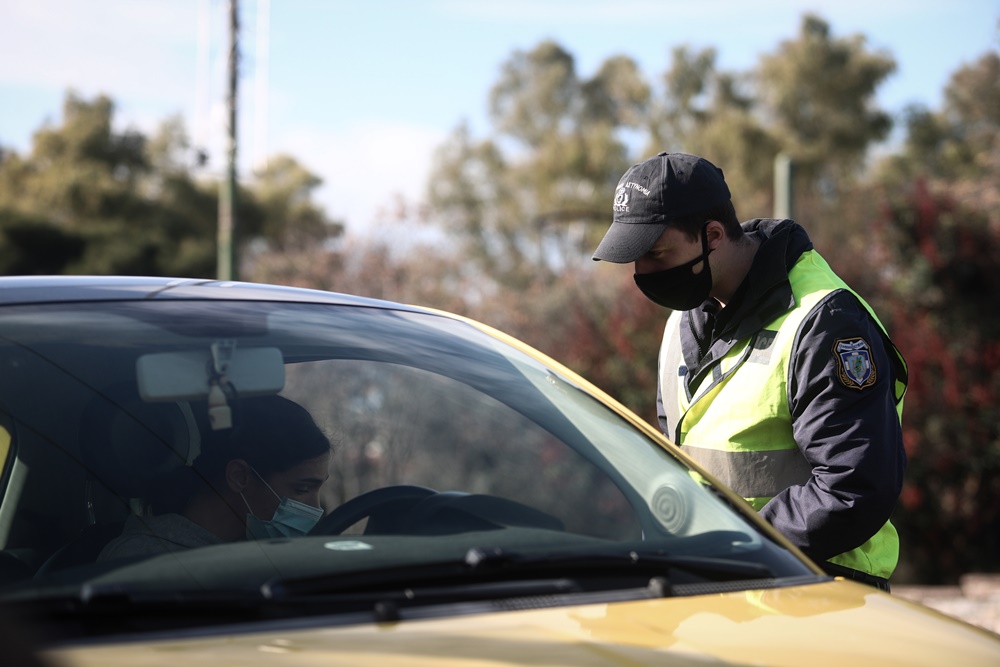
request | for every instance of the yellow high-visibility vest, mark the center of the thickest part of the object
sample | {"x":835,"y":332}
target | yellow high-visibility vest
{"x":737,"y":423}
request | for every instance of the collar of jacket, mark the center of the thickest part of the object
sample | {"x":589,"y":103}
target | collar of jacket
{"x":765,"y":294}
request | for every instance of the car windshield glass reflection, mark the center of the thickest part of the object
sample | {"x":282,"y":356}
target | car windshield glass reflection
{"x":236,"y":448}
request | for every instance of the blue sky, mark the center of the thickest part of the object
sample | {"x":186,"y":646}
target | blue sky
{"x":362,"y":92}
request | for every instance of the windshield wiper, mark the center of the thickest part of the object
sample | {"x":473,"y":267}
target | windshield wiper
{"x":486,"y":578}
{"x":498,"y":567}
{"x":709,"y":568}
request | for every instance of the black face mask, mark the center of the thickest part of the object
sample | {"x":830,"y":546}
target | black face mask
{"x":679,"y":288}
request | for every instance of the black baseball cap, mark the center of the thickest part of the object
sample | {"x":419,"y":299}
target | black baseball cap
{"x":654,"y":192}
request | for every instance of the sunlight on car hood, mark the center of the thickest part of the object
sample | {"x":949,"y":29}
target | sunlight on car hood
{"x":815,"y":625}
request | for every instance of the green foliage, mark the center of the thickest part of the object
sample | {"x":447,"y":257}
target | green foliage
{"x":536,"y":94}
{"x":532,"y":199}
{"x":34,"y":246}
{"x":961,"y":140}
{"x":709,"y":113}
{"x":820,"y":91}
{"x":520,"y":202}
{"x":812,"y":98}
{"x":697,"y":98}
{"x":92,"y":200}
{"x":283,"y":191}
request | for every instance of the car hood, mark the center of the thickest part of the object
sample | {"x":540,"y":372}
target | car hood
{"x":832,"y":623}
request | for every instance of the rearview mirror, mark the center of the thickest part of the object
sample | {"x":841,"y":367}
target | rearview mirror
{"x":186,"y":376}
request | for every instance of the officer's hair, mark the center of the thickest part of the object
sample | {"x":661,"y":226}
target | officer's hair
{"x":725,"y":213}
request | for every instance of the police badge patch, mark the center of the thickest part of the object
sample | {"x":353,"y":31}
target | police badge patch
{"x":854,"y":359}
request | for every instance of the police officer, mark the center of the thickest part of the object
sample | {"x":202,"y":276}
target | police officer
{"x":773,"y":373}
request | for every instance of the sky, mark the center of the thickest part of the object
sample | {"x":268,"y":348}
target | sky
{"x":363,"y":92}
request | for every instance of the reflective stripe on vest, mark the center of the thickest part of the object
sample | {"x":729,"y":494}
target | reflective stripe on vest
{"x":738,"y":424}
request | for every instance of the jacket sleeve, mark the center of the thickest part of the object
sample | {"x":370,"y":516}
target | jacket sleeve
{"x":845,"y":423}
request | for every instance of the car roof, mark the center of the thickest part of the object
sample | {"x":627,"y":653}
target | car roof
{"x":63,"y":289}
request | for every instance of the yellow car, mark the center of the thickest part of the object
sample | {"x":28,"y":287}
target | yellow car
{"x":198,"y":472}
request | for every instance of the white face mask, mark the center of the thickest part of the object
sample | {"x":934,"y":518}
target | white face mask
{"x":291,"y":519}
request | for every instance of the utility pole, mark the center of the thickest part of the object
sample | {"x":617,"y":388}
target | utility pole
{"x":784,"y":200}
{"x":226,"y":258}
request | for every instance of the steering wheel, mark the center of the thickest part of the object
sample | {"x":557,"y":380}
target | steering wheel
{"x":370,"y":504}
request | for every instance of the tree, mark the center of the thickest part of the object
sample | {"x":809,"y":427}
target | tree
{"x":812,"y":98}
{"x":92,"y":189}
{"x":713,"y":114}
{"x":92,"y":199}
{"x":291,"y":218}
{"x":676,"y":120}
{"x":819,"y":92}
{"x":521,"y":202}
{"x":78,"y":170}
{"x":959,"y":143}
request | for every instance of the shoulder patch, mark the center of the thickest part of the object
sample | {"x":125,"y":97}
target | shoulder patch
{"x":855,"y":367}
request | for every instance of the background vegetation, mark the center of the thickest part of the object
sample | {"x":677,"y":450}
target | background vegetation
{"x":511,"y":219}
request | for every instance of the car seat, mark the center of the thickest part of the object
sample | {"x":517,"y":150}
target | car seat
{"x":129,"y":449}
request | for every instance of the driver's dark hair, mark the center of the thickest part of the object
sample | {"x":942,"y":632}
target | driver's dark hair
{"x":692,"y":224}
{"x":271,"y":433}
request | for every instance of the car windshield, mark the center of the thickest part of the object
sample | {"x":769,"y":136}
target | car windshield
{"x":178,"y":449}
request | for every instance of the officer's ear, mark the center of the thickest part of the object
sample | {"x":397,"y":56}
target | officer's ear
{"x":715,"y":232}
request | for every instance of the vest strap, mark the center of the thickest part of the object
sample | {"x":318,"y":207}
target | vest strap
{"x":669,"y":364}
